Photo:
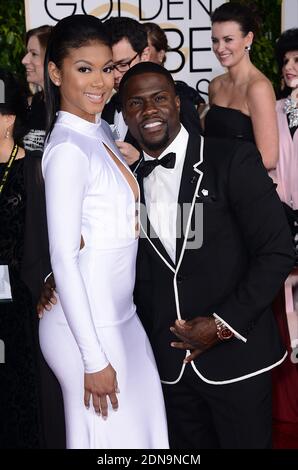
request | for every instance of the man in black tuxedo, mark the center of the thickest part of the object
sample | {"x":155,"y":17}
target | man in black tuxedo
{"x":208,"y":269}
{"x":204,"y":289}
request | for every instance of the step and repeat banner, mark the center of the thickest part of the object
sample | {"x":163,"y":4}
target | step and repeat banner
{"x":186,"y":23}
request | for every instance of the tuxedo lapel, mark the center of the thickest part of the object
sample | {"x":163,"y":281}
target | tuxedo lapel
{"x":190,"y":176}
{"x":189,"y":186}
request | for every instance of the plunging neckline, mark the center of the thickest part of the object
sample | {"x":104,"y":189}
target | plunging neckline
{"x":136,"y":197}
{"x":85,"y":127}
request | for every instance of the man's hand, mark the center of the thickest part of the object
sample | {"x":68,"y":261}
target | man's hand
{"x":47,"y":296}
{"x":197,"y":335}
{"x":129,"y":152}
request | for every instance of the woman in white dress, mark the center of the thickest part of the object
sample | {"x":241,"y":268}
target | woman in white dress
{"x":92,"y":338}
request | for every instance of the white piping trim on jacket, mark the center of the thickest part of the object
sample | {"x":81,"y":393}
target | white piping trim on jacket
{"x":236,"y":334}
{"x":182,"y":254}
{"x":47,"y":277}
{"x":187,"y":231}
{"x":177,"y":380}
{"x":238,"y":379}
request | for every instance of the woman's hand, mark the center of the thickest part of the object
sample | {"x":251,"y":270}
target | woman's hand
{"x":100,"y":385}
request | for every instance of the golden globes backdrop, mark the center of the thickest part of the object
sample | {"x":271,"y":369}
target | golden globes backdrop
{"x":186,"y":23}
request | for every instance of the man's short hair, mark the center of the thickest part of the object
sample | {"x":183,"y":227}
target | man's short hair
{"x":127,"y":28}
{"x":145,"y":67}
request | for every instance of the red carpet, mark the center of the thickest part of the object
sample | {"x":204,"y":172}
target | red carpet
{"x":285,"y":435}
{"x":285,"y":388}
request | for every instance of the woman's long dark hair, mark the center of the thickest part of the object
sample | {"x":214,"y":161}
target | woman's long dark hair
{"x":42,"y":33}
{"x":246,"y":17}
{"x":71,"y":32}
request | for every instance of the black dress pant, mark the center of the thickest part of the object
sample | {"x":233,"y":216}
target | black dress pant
{"x":232,"y":416}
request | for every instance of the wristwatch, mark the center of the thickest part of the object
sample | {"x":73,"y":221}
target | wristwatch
{"x":223,"y":332}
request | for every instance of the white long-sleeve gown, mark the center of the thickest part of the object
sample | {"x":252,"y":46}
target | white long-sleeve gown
{"x":94,"y":322}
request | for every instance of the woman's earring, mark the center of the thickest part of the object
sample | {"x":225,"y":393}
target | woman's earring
{"x":7,"y":134}
{"x":248,"y":48}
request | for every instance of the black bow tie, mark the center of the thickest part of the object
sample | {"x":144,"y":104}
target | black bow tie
{"x":167,"y":161}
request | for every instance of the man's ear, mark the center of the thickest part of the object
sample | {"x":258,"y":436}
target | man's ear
{"x":145,"y":54}
{"x":54,"y":73}
{"x":177,"y":101}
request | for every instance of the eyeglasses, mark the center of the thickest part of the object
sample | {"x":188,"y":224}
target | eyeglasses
{"x":125,"y":66}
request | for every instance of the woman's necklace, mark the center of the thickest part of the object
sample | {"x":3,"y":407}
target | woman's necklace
{"x":291,"y":109}
{"x":8,"y":166}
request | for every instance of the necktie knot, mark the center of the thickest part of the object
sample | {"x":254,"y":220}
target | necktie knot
{"x":146,"y":167}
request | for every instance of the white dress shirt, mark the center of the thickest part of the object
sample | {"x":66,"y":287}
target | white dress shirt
{"x":161,"y":190}
{"x":119,"y":128}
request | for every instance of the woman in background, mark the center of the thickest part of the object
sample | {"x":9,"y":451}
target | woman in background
{"x":36,"y":43}
{"x":157,"y":42}
{"x":21,"y":194}
{"x":285,"y":377}
{"x":242,"y":100}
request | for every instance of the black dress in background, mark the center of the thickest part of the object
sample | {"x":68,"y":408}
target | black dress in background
{"x":228,"y":123}
{"x":31,"y":404}
{"x":35,"y":266}
{"x":19,"y":385}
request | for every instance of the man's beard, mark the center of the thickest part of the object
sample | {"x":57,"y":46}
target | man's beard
{"x":157,"y":145}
